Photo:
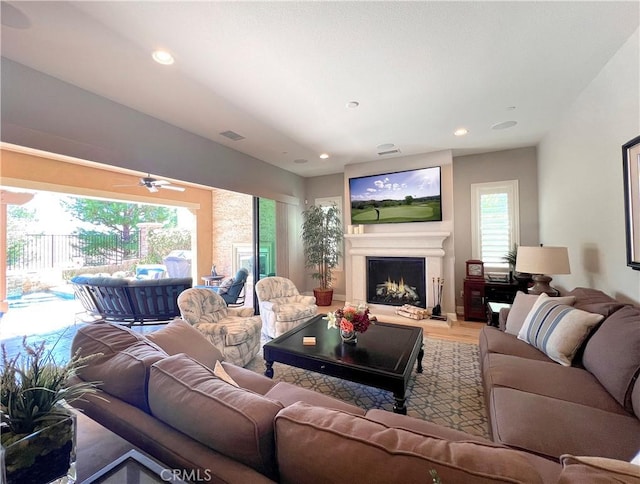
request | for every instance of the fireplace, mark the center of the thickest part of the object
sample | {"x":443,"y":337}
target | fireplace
{"x":394,"y":281}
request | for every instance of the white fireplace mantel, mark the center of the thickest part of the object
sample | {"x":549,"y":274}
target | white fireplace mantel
{"x":402,"y":242}
{"x":399,"y":244}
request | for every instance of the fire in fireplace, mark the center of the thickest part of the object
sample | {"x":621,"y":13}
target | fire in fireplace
{"x":395,"y":281}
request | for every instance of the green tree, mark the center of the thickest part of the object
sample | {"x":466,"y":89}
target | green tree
{"x":18,"y":219}
{"x":408,"y":200}
{"x":115,"y":233}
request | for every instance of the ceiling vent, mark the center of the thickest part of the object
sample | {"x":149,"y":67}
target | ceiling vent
{"x":232,"y":135}
{"x":389,"y":152}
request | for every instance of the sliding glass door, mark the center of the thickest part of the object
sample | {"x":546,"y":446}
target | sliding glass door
{"x":264,"y":239}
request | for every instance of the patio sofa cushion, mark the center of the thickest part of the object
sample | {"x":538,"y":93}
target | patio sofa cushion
{"x":233,"y":421}
{"x":313,"y":441}
{"x":180,"y":337}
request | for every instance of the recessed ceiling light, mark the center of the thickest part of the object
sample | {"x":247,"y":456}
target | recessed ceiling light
{"x":324,"y":156}
{"x":300,"y":161}
{"x":504,"y":125}
{"x":460,"y":132}
{"x":162,"y":57}
{"x":353,"y":104}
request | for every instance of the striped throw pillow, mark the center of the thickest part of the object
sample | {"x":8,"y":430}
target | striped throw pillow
{"x":556,"y":329}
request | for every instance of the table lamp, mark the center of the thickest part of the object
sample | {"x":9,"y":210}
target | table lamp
{"x":539,"y":261}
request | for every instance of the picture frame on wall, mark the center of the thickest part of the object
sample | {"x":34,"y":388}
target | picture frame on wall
{"x":631,"y":171}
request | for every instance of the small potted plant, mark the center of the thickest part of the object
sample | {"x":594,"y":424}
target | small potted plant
{"x":322,"y":238}
{"x":37,"y":429}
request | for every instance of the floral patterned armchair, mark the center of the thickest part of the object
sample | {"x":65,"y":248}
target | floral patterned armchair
{"x":282,"y":307}
{"x":234,"y":331}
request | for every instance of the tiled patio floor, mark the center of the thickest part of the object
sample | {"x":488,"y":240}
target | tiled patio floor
{"x":54,"y":322}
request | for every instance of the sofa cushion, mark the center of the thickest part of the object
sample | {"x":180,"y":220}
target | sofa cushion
{"x":123,"y":366}
{"x":548,"y":379}
{"x":492,"y":340}
{"x":313,"y":441}
{"x":597,"y":469}
{"x":125,"y":374}
{"x":233,"y":421}
{"x":635,"y":398}
{"x":288,"y":394}
{"x":556,"y":329}
{"x":594,"y":301}
{"x":548,"y":469}
{"x":613,"y":354}
{"x":552,"y":427}
{"x":105,"y":338}
{"x":180,"y":337}
{"x":522,"y":305}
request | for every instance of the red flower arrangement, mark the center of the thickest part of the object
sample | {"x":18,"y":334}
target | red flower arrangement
{"x":350,"y":318}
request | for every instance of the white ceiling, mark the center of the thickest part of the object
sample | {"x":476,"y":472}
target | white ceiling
{"x":280,"y":73}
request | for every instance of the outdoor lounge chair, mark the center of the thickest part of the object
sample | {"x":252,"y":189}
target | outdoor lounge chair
{"x":234,"y":294}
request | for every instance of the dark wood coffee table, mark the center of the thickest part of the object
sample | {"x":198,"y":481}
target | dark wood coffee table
{"x":382,"y":358}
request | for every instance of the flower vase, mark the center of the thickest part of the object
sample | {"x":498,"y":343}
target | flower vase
{"x":350,"y":337}
{"x":46,"y":455}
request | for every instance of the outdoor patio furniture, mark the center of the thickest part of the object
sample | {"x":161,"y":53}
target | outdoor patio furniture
{"x":131,"y":301}
{"x":234,"y":331}
{"x":282,"y":307}
{"x":234,"y":293}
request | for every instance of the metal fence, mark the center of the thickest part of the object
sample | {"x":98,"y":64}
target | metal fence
{"x":35,"y":252}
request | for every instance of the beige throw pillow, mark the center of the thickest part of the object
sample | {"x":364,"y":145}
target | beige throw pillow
{"x":521,"y":307}
{"x":557,"y":329}
{"x":623,"y":471}
{"x":221,"y":373}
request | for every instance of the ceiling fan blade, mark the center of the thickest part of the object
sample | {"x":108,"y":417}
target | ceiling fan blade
{"x":160,"y":182}
{"x":152,"y":188}
{"x":172,"y":187}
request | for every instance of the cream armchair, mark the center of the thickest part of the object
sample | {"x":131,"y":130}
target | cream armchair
{"x":282,"y":307}
{"x":234,"y":331}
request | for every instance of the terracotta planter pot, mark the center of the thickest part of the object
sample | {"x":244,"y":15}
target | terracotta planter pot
{"x":323,"y":296}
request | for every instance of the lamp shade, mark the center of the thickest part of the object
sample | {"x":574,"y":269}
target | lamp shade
{"x":543,"y":260}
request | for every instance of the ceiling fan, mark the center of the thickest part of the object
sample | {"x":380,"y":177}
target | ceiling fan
{"x":153,"y":184}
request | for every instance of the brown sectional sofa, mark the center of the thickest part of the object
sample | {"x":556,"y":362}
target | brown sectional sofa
{"x":590,"y":408}
{"x":179,"y":408}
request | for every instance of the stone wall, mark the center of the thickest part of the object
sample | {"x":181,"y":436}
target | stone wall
{"x":232,"y":227}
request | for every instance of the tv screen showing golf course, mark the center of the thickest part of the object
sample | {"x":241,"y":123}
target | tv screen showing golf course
{"x":403,"y":196}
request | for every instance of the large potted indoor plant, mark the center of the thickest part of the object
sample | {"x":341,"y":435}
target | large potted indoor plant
{"x":322,"y":238}
{"x":37,"y":428}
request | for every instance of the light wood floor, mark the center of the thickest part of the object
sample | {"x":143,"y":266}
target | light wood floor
{"x":460,"y":331}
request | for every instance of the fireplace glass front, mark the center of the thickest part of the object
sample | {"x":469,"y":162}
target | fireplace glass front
{"x":395,"y":281}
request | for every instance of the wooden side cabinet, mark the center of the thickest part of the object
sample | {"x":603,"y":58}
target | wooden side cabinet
{"x":474,"y":302}
{"x":479,"y":292}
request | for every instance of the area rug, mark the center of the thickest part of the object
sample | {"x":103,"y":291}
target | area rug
{"x":448,"y":392}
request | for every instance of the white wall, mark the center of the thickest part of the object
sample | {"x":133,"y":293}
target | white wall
{"x":580,"y":178}
{"x":441,"y":158}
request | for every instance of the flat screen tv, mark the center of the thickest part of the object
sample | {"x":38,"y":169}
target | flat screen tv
{"x":402,"y":196}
